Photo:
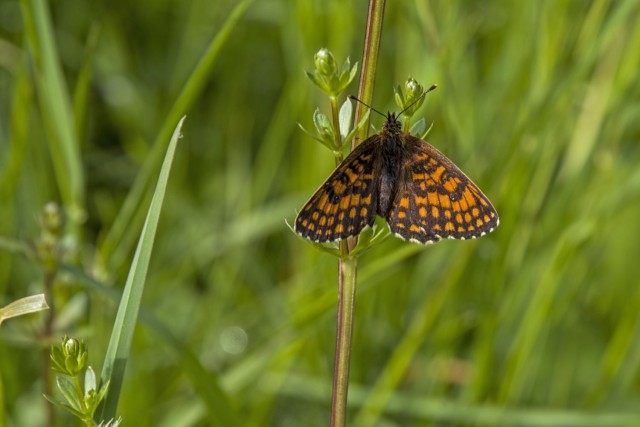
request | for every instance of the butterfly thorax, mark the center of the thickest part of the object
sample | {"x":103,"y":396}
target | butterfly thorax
{"x":392,"y":125}
{"x":391,"y":160}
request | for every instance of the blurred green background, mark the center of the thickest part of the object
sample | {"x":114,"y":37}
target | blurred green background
{"x":537,"y":324}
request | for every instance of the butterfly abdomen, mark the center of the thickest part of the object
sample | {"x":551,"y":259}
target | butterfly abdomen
{"x":390,"y":165}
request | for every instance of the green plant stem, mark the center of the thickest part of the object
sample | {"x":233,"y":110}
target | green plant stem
{"x":47,"y":332}
{"x":86,"y":419}
{"x":369,"y":63}
{"x":347,"y":267}
{"x":346,"y":304}
{"x":407,"y":124}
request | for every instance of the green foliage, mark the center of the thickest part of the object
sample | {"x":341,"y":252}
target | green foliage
{"x":409,"y":97}
{"x":80,"y":398}
{"x":533,"y":325}
{"x":328,"y":77}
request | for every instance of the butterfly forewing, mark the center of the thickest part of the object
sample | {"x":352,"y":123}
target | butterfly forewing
{"x":346,"y":202}
{"x":435,"y":199}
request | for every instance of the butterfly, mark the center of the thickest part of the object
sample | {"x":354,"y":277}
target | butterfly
{"x":420,"y":193}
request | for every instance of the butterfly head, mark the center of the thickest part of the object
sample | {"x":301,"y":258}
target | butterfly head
{"x":392,"y":124}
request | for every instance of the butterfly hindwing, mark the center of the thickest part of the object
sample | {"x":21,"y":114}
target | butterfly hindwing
{"x":346,"y":202}
{"x":435,"y":199}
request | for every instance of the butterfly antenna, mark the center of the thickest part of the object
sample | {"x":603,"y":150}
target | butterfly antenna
{"x":367,"y":105}
{"x":419,"y":98}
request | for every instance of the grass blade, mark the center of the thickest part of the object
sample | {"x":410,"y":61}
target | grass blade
{"x":56,"y":106}
{"x":122,"y":334}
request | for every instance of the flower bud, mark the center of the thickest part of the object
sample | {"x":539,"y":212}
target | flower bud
{"x":327,"y":76}
{"x":325,"y":63}
{"x":409,"y":96}
{"x":70,"y":357}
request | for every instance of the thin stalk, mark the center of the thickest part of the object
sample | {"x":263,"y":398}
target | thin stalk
{"x":47,"y":333}
{"x":346,"y":304}
{"x":369,"y":63}
{"x":347,"y":267}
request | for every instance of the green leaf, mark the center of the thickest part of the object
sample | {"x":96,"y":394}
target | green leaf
{"x":22,"y":306}
{"x":65,"y":406}
{"x":90,"y":382}
{"x":103,"y":392}
{"x":371,"y":237}
{"x":418,"y":127}
{"x":346,"y":78}
{"x":424,"y":135}
{"x":322,"y":123}
{"x":345,"y":66}
{"x":312,"y":135}
{"x":58,"y":359}
{"x":127,"y":316}
{"x":346,"y":111}
{"x":317,"y":80}
{"x":68,"y":389}
{"x":325,"y":129}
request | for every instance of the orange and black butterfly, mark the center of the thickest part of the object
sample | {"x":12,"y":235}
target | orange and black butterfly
{"x":421,"y":194}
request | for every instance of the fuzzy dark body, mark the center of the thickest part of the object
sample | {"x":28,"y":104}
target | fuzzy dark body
{"x":390,"y":170}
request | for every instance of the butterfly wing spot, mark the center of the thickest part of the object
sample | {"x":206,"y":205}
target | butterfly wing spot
{"x":339,"y":187}
{"x":345,"y":202}
{"x":420,"y":201}
{"x":438,"y":174}
{"x":451,"y":186}
{"x":444,"y":200}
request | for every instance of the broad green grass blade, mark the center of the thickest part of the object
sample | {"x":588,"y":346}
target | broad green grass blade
{"x":127,"y":317}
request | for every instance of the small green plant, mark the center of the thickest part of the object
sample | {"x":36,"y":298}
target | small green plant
{"x":77,"y":382}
